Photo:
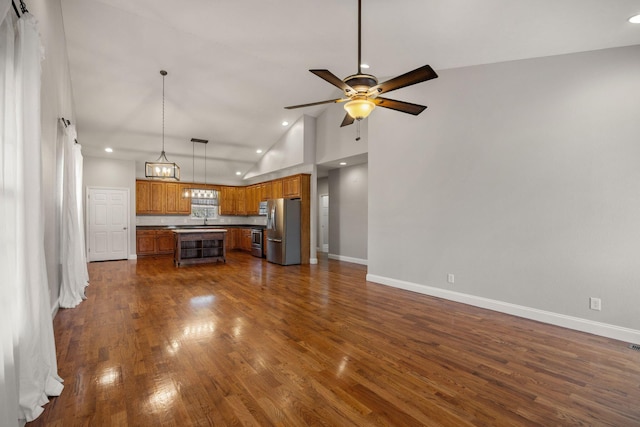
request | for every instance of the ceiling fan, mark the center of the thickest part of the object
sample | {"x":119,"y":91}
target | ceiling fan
{"x":362,"y":91}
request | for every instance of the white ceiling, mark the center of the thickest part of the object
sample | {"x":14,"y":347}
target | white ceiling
{"x":234,"y":64}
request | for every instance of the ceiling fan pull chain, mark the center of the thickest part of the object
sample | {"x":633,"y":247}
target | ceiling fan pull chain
{"x":358,"y":130}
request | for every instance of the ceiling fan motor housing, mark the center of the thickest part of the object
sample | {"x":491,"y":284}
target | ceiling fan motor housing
{"x":361,"y":83}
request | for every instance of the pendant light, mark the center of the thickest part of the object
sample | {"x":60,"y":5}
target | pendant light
{"x":200,"y":193}
{"x":162,"y":168}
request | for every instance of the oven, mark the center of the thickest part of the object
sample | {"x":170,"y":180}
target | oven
{"x":257,"y":242}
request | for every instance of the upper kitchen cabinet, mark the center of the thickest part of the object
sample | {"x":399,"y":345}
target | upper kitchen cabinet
{"x":276,"y":189}
{"x":150,"y":197}
{"x":161,"y":198}
{"x":253,"y":199}
{"x":175,"y":202}
{"x":228,"y":197}
{"x":241,"y":201}
{"x":266,"y":191}
{"x":291,"y":187}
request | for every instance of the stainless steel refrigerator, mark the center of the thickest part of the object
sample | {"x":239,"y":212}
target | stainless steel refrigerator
{"x":283,"y":231}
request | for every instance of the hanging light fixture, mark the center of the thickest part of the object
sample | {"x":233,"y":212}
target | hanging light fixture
{"x":162,"y":168}
{"x":200,"y":193}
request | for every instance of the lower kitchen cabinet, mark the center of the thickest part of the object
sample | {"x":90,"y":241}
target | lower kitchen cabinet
{"x":164,"y":242}
{"x":239,"y":238}
{"x":154,"y":242}
{"x":146,"y":242}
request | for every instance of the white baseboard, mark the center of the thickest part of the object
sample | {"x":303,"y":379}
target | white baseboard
{"x":133,"y":256}
{"x":348,"y":259}
{"x":313,"y":260}
{"x":570,"y":322}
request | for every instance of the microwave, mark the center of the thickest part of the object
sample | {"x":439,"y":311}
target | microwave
{"x":263,"y":208}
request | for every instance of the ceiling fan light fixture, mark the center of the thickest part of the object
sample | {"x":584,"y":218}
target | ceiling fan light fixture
{"x":359,"y":108}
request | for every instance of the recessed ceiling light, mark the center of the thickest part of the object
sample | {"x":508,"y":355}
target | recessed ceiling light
{"x":259,"y":151}
{"x":238,"y":173}
{"x":109,"y":150}
{"x":343,"y":163}
{"x":635,"y":19}
{"x":285,"y":123}
{"x":364,"y":66}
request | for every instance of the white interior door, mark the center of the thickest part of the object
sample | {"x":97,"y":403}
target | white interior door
{"x":324,"y":222}
{"x":108,"y":224}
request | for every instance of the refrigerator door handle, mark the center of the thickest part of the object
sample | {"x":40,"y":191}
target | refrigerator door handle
{"x":275,"y":240}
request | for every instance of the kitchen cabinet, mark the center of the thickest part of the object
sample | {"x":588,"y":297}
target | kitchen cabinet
{"x":154,"y":242}
{"x":245,"y":239}
{"x":265,"y":191}
{"x":175,"y":202}
{"x":253,"y":199}
{"x":164,"y":242}
{"x":146,"y":242}
{"x":161,"y":198}
{"x":150,"y":197}
{"x":227,"y":200}
{"x":276,"y":189}
{"x":241,"y":201}
{"x":239,"y":238}
{"x":291,"y":187}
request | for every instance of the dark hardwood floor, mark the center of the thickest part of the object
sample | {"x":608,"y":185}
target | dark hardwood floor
{"x":256,"y":344}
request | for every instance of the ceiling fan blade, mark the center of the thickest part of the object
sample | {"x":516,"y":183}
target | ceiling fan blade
{"x":333,"y":79}
{"x":330,"y":101}
{"x":348,"y":120}
{"x":405,"y":107}
{"x":418,"y":75}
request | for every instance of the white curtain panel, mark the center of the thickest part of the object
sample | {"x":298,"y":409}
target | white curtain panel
{"x":8,"y":215}
{"x":29,"y":366}
{"x":75,"y":276}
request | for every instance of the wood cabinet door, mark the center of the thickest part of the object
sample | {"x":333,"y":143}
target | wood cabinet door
{"x":227,"y":200}
{"x":246,"y":239}
{"x":231,"y":238}
{"x":146,"y":242}
{"x":184,"y":203}
{"x":143,"y":197}
{"x":276,"y":189}
{"x":172,"y":194}
{"x":164,"y":242}
{"x":266,"y":191}
{"x":157,"y":198}
{"x":291,"y":187}
{"x":241,"y":201}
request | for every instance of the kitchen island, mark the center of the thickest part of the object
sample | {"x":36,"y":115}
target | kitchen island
{"x":199,"y":245}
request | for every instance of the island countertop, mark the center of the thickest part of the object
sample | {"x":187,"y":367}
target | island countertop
{"x":199,"y":230}
{"x":200,"y":227}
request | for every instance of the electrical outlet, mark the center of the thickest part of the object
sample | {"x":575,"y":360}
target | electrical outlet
{"x":450,"y":278}
{"x":595,"y":303}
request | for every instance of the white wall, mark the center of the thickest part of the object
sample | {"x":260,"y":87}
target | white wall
{"x":523,"y":180}
{"x":294,"y":149}
{"x":56,"y":102}
{"x":348,"y":221}
{"x":334,"y":142}
{"x":322,"y":186}
{"x":113,"y":173}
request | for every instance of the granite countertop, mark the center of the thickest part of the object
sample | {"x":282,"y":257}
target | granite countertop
{"x":199,"y":227}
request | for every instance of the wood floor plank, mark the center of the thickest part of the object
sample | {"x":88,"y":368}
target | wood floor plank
{"x":252,"y":343}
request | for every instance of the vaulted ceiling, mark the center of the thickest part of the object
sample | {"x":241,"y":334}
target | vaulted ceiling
{"x":234,"y":64}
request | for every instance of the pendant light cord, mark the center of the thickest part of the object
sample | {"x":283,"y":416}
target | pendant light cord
{"x":163,"y":74}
